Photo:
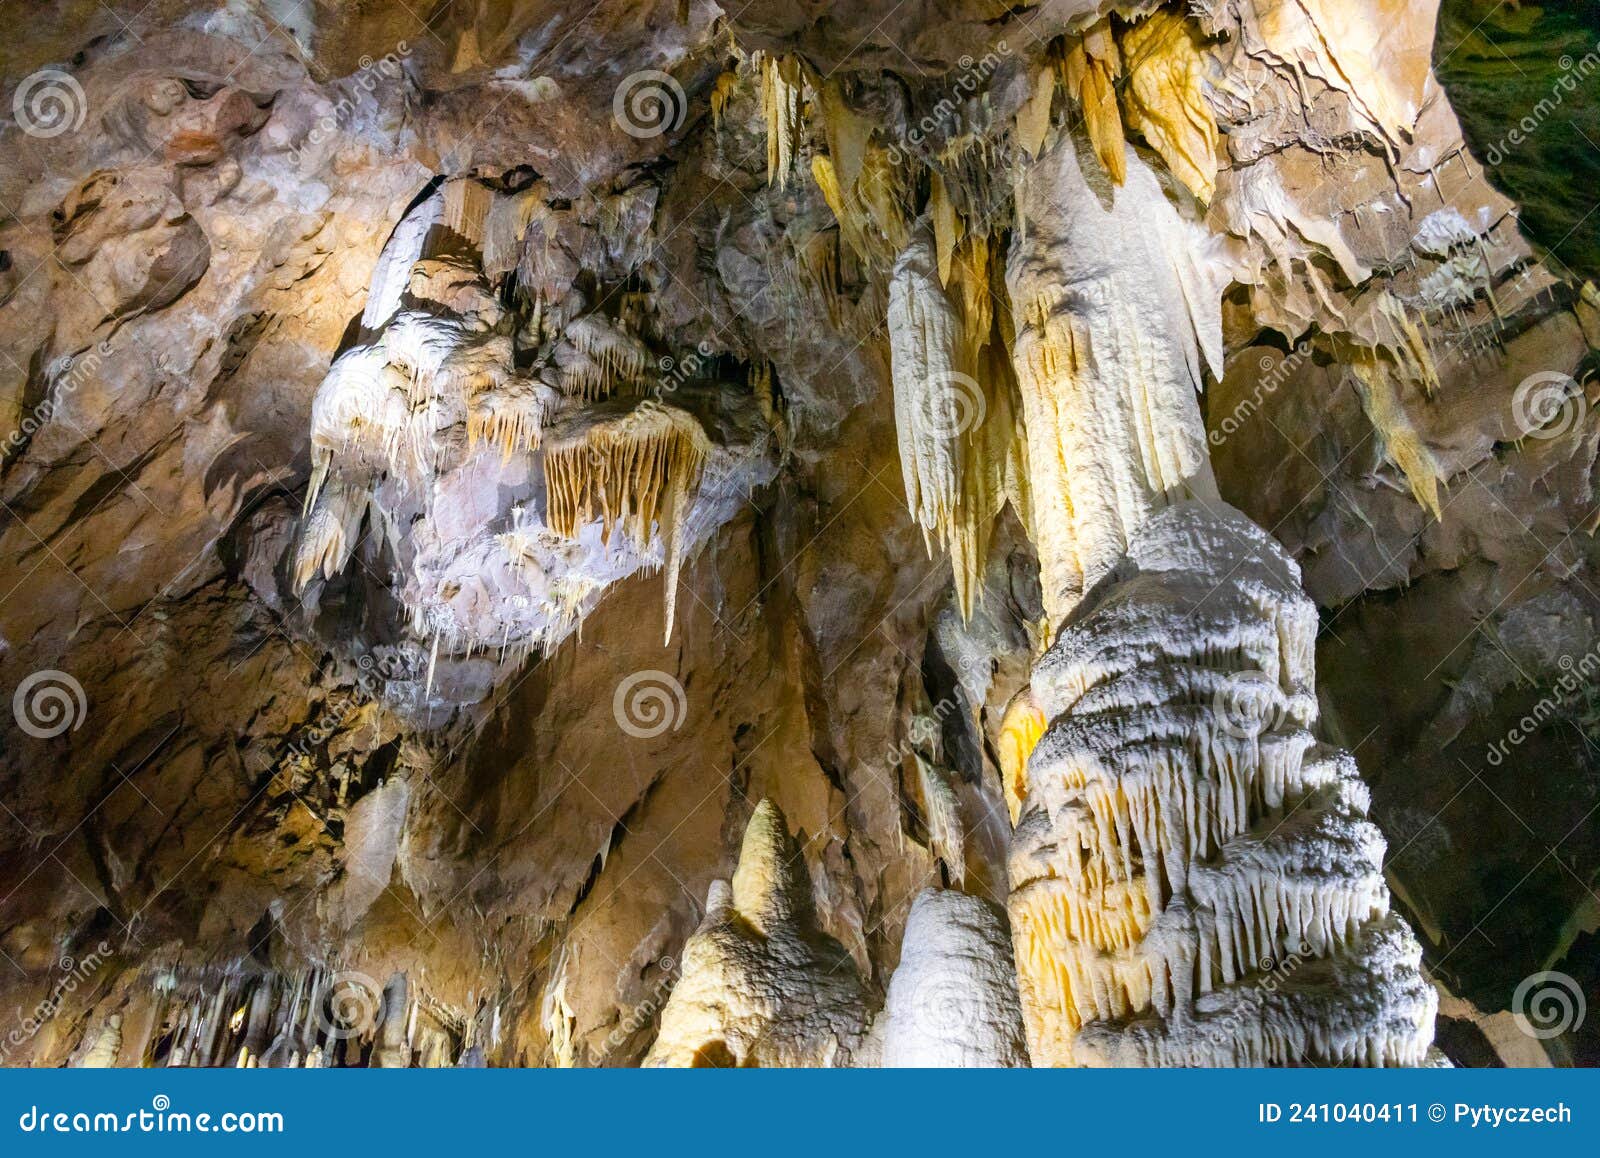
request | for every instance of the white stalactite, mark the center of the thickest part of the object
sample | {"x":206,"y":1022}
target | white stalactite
{"x":1115,"y":318}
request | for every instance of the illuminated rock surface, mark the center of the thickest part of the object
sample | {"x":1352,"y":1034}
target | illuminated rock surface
{"x":452,"y":475}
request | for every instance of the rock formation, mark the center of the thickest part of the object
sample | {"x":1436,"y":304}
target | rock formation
{"x":1082,"y":510}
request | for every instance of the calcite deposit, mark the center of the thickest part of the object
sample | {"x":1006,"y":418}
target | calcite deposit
{"x":672,"y":534}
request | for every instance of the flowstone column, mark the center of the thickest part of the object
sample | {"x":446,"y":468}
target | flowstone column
{"x":1193,"y":878}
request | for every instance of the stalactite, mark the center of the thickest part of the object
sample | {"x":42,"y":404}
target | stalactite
{"x":606,"y":357}
{"x":873,"y":214}
{"x":504,"y":226}
{"x":512,"y":415}
{"x":466,"y":208}
{"x":721,"y":93}
{"x":783,"y":88}
{"x":361,"y":410}
{"x":331,"y":533}
{"x":1033,"y":117}
{"x":640,"y":469}
{"x":1116,"y":319}
{"x":1090,"y":69}
{"x":1187,"y":865}
{"x":1398,"y":361}
{"x":402,"y":251}
{"x":1341,"y":44}
{"x":947,"y":837}
{"x":555,"y":1011}
{"x":1165,"y":97}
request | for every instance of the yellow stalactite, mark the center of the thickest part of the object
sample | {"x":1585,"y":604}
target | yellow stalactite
{"x":466,"y":208}
{"x":640,"y":469}
{"x":947,"y":228}
{"x":847,"y":133}
{"x":783,"y":83}
{"x":873,"y":216}
{"x":721,"y":94}
{"x":1091,"y":68}
{"x":1165,"y":97}
{"x":1033,"y":118}
{"x":1020,"y":731}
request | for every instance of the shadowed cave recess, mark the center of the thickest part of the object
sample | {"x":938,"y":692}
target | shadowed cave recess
{"x":955,"y":533}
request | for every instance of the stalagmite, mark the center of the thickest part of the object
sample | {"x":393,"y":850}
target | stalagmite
{"x":952,"y":1001}
{"x":1020,"y":729}
{"x":1193,"y":879}
{"x":102,"y":1055}
{"x":761,"y":985}
{"x":1191,"y":871}
{"x":390,"y":1050}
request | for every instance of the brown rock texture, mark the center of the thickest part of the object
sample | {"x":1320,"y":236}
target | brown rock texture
{"x":401,"y":818}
